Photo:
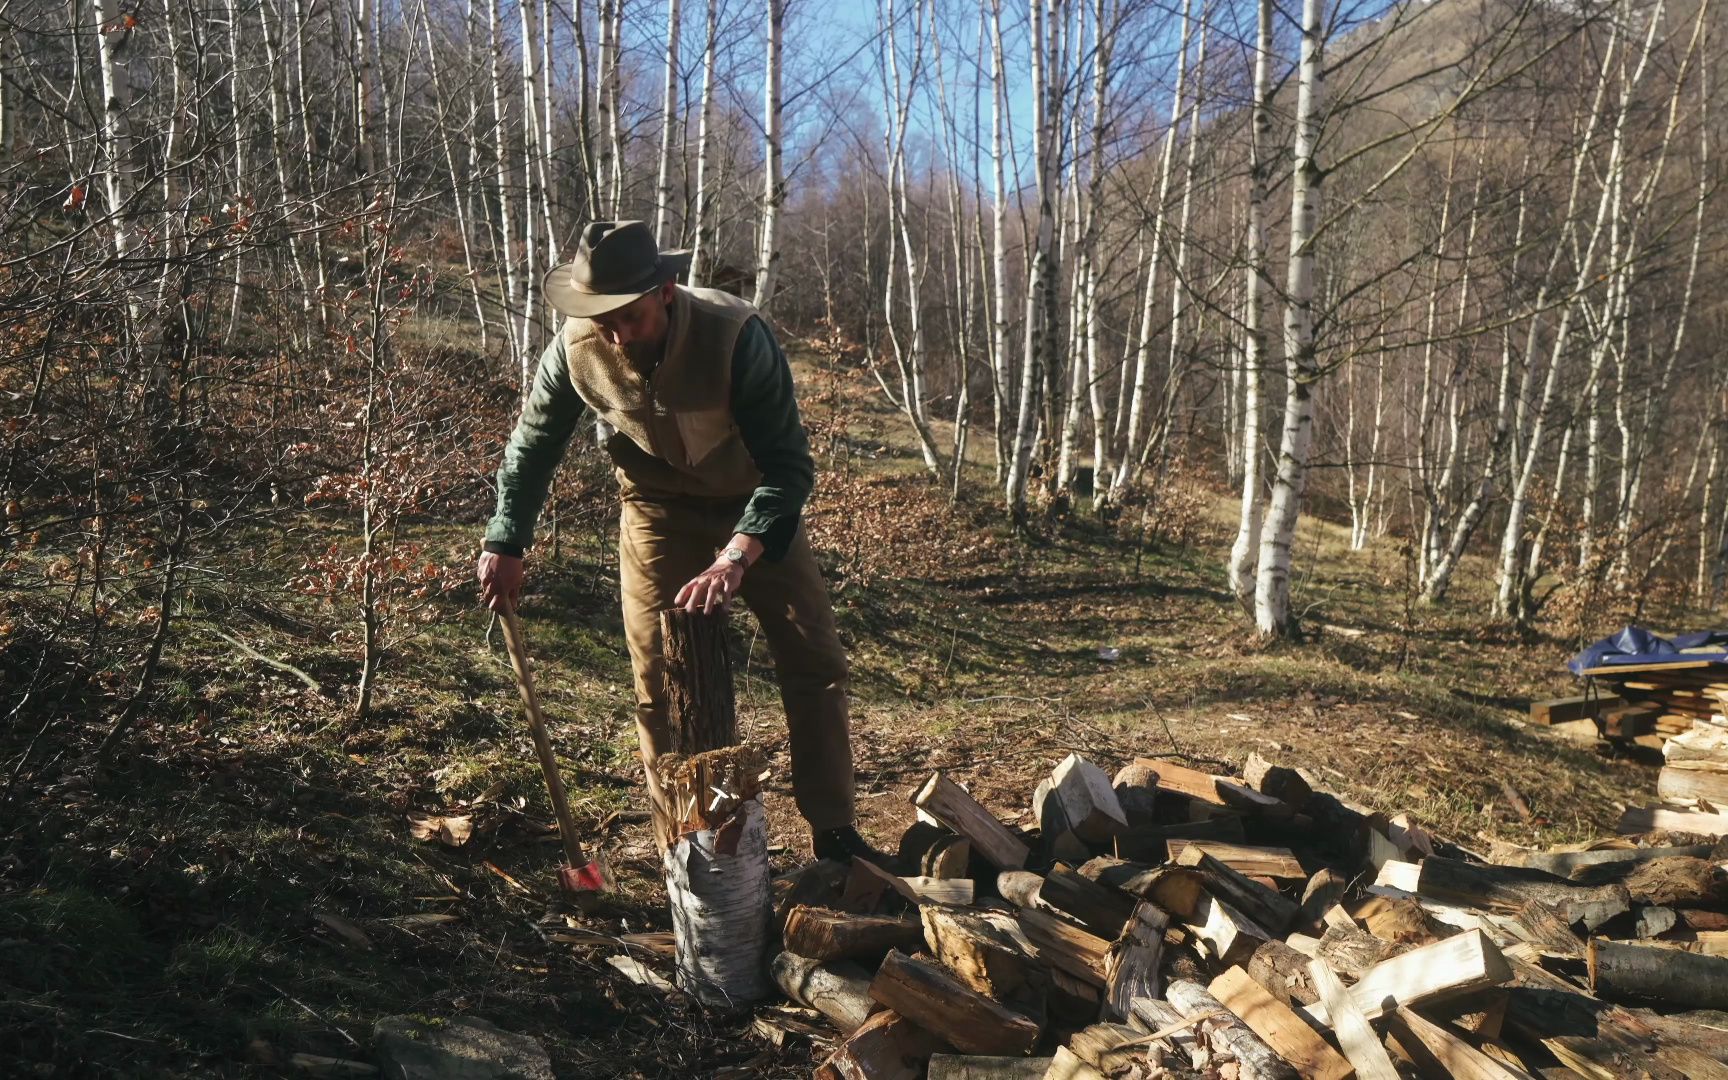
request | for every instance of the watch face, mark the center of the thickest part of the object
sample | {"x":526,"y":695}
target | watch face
{"x":734,"y":555}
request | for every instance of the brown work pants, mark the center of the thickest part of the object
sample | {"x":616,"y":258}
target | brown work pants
{"x":662,"y":544}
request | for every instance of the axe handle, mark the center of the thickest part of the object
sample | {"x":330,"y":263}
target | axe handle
{"x":542,"y":744}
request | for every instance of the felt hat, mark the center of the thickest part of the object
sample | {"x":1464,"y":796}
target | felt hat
{"x":615,"y":262}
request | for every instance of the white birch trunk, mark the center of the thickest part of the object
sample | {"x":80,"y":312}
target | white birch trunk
{"x":668,"y":126}
{"x":1244,"y":553}
{"x":1272,"y":585}
{"x":699,"y":242}
{"x":774,"y":179}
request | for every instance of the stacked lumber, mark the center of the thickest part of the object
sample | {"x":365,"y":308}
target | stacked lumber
{"x":1656,"y":699}
{"x":1178,"y":922}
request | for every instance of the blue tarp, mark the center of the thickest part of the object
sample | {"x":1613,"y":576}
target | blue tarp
{"x":1636,"y":645}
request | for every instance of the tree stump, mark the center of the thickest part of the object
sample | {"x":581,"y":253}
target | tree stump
{"x":709,"y":821}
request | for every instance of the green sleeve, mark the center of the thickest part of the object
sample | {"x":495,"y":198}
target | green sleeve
{"x":549,"y":418}
{"x":766,"y":410}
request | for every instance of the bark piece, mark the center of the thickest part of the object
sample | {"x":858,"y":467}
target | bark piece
{"x":950,"y":804}
{"x":1600,"y":867}
{"x":1508,"y":888}
{"x":1283,"y":971}
{"x":1097,"y":907}
{"x":1682,"y":881}
{"x":1136,"y":788}
{"x":1255,"y":1060}
{"x":1441,"y":1054}
{"x":1620,"y":971}
{"x":1351,"y":951}
{"x":841,"y":991}
{"x":1088,"y":801}
{"x":938,"y":1002}
{"x":1021,"y":888}
{"x":700,"y":712}
{"x":825,"y":935}
{"x":887,"y":1046}
{"x":1356,"y":1037}
{"x":1131,"y":969}
{"x":974,"y":1067}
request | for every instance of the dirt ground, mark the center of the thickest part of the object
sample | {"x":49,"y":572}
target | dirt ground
{"x":246,"y":883}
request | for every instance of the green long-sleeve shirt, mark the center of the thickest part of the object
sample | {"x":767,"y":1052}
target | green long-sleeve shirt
{"x":764,"y":407}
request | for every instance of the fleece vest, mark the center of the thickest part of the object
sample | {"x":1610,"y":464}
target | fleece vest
{"x":675,"y":434}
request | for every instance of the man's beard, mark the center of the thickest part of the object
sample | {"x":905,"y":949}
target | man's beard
{"x":645,"y":356}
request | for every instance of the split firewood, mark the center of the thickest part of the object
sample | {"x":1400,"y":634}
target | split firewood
{"x":1229,"y":935}
{"x":1267,"y":907}
{"x":1286,"y":785}
{"x":1544,"y":929}
{"x":1151,"y":843}
{"x":1255,"y":862}
{"x":1066,"y":947}
{"x":840,"y":991}
{"x":934,"y":851}
{"x":1509,"y":888}
{"x":1622,"y":971}
{"x":1218,"y":791}
{"x":1288,"y":1035}
{"x":1088,"y":802}
{"x":935,"y":1000}
{"x":820,"y":884}
{"x":1356,"y":1038}
{"x":1254,"y":1059}
{"x":1440,"y":1054}
{"x":918,"y":890}
{"x":1131,"y":969}
{"x":979,"y":950}
{"x":887,"y":1046}
{"x":822,"y":934}
{"x":1642,"y":819}
{"x":1323,"y":890}
{"x":1097,"y":907}
{"x":1452,"y":967}
{"x":1057,"y":839}
{"x":950,"y":804}
{"x":1402,"y":922}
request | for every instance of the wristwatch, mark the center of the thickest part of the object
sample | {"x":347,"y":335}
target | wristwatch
{"x":734,"y":555}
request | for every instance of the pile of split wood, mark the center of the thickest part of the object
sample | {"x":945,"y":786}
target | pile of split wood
{"x":1175,"y":923}
{"x":1651,"y":702}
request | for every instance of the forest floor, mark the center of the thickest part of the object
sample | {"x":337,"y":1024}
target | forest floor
{"x":244,"y":883}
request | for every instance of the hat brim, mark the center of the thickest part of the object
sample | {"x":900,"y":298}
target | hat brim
{"x":564,"y":297}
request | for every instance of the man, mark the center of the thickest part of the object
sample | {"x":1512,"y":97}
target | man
{"x":714,"y":469}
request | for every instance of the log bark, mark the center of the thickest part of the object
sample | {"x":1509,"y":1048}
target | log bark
{"x":938,"y":1002}
{"x":1508,"y":888}
{"x":700,"y":710}
{"x":1626,"y":972}
{"x":1283,"y":971}
{"x":1351,"y":951}
{"x":1267,"y":907}
{"x":1323,"y":890}
{"x":1254,"y":1059}
{"x":980,"y":952}
{"x":1066,"y":947}
{"x":1099,"y":908}
{"x":1286,"y":785}
{"x":1681,"y":881}
{"x":826,"y":935}
{"x":841,"y":992}
{"x":1588,"y":867}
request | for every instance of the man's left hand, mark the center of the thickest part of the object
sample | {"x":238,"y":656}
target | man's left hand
{"x":712,"y":589}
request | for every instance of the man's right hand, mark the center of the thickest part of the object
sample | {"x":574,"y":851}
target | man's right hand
{"x":500,"y":580}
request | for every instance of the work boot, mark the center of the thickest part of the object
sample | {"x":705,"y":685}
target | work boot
{"x":843,"y":845}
